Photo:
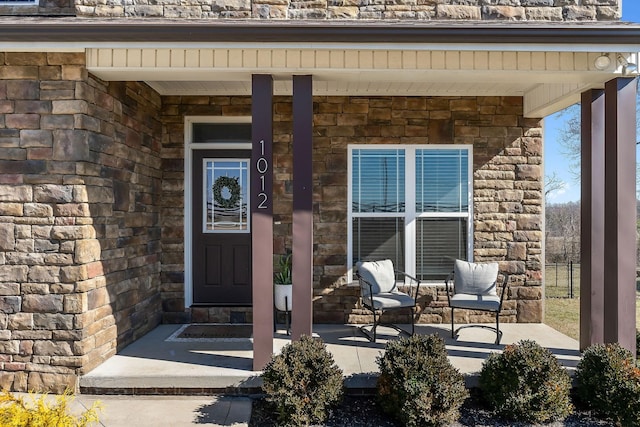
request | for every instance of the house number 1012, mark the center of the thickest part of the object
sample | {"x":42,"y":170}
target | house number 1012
{"x":262,"y":166}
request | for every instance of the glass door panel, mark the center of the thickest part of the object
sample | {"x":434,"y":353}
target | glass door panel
{"x":225,"y":195}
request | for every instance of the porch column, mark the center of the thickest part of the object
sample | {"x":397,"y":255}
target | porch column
{"x":592,"y":219}
{"x":262,"y":217}
{"x":620,"y":213}
{"x":302,"y":247}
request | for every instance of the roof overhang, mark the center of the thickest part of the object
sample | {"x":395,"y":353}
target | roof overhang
{"x":549,"y":64}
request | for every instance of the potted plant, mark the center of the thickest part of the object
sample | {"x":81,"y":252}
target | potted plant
{"x":283,"y":288}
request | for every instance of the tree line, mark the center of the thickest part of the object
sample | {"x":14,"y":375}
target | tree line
{"x":562,"y":232}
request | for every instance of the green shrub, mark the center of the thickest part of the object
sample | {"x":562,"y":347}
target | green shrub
{"x":417,"y":383}
{"x":609,"y":383}
{"x":526,"y":383}
{"x":43,"y":411}
{"x":303,"y":382}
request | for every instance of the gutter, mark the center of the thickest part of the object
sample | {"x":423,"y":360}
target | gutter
{"x":131,"y":30}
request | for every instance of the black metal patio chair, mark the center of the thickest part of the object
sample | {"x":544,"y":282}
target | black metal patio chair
{"x":380,"y":293}
{"x":473,"y":287}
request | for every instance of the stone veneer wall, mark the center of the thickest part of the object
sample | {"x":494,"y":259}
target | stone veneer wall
{"x":511,"y":10}
{"x":79,"y":218}
{"x":507,"y":192}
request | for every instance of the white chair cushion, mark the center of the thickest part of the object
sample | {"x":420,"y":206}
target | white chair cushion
{"x":388,"y":300}
{"x":476,"y":302}
{"x":379,"y":273}
{"x":476,"y":279}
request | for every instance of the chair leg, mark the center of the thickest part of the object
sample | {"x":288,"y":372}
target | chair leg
{"x":453,"y":335}
{"x":373,"y":335}
{"x":498,"y":333}
{"x":413,"y":321}
{"x":375,"y":324}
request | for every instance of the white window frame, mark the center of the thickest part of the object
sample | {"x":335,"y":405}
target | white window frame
{"x":19,"y":2}
{"x":189,"y":148}
{"x":410,"y":215}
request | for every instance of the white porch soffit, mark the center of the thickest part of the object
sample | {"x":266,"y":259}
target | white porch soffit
{"x":548,"y":80}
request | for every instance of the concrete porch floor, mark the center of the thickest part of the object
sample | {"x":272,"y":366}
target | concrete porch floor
{"x":153,"y":365}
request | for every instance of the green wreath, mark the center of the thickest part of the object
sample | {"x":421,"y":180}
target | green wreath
{"x":234,"y":188}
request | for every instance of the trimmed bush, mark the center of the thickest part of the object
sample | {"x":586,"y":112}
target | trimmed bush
{"x":609,"y":383}
{"x":303,"y":382}
{"x":526,"y":383}
{"x":417,"y":383}
{"x":43,"y":411}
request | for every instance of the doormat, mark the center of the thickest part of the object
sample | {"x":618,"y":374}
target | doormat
{"x":213,"y":332}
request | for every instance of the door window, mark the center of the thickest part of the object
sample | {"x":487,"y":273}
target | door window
{"x":225,"y":195}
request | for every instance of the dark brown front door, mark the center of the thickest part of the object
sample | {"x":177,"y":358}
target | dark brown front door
{"x":221,"y":227}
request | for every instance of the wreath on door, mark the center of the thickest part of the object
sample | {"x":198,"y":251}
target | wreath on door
{"x":232,"y":185}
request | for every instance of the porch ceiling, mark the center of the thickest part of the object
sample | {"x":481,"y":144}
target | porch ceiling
{"x":547,"y":80}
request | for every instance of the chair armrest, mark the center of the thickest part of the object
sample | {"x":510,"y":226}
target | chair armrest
{"x":414,"y":281}
{"x":505,"y":288}
{"x":361,"y":280}
{"x":449,"y":291}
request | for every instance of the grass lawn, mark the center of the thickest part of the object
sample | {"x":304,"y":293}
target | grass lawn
{"x":557,"y":280}
{"x":562,"y":313}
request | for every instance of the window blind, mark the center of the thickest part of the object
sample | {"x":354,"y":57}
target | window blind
{"x":439,"y":242}
{"x":441,"y":181}
{"x":379,"y":238}
{"x":378,"y":181}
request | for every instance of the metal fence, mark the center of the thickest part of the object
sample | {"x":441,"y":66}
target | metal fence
{"x":562,"y":280}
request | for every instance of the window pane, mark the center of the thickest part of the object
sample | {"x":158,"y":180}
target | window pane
{"x":378,"y":180}
{"x":225,"y":195}
{"x":442,"y":182}
{"x":379,"y":238}
{"x":439,"y":242}
{"x":221,"y":132}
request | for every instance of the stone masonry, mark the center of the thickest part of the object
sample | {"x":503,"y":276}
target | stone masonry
{"x":79,"y":218}
{"x":467,"y":10}
{"x":507,"y":192}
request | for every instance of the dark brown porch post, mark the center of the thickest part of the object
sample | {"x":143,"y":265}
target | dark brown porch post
{"x":302,"y":312}
{"x":620,"y":213}
{"x":592,"y":219}
{"x":262,"y":217}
